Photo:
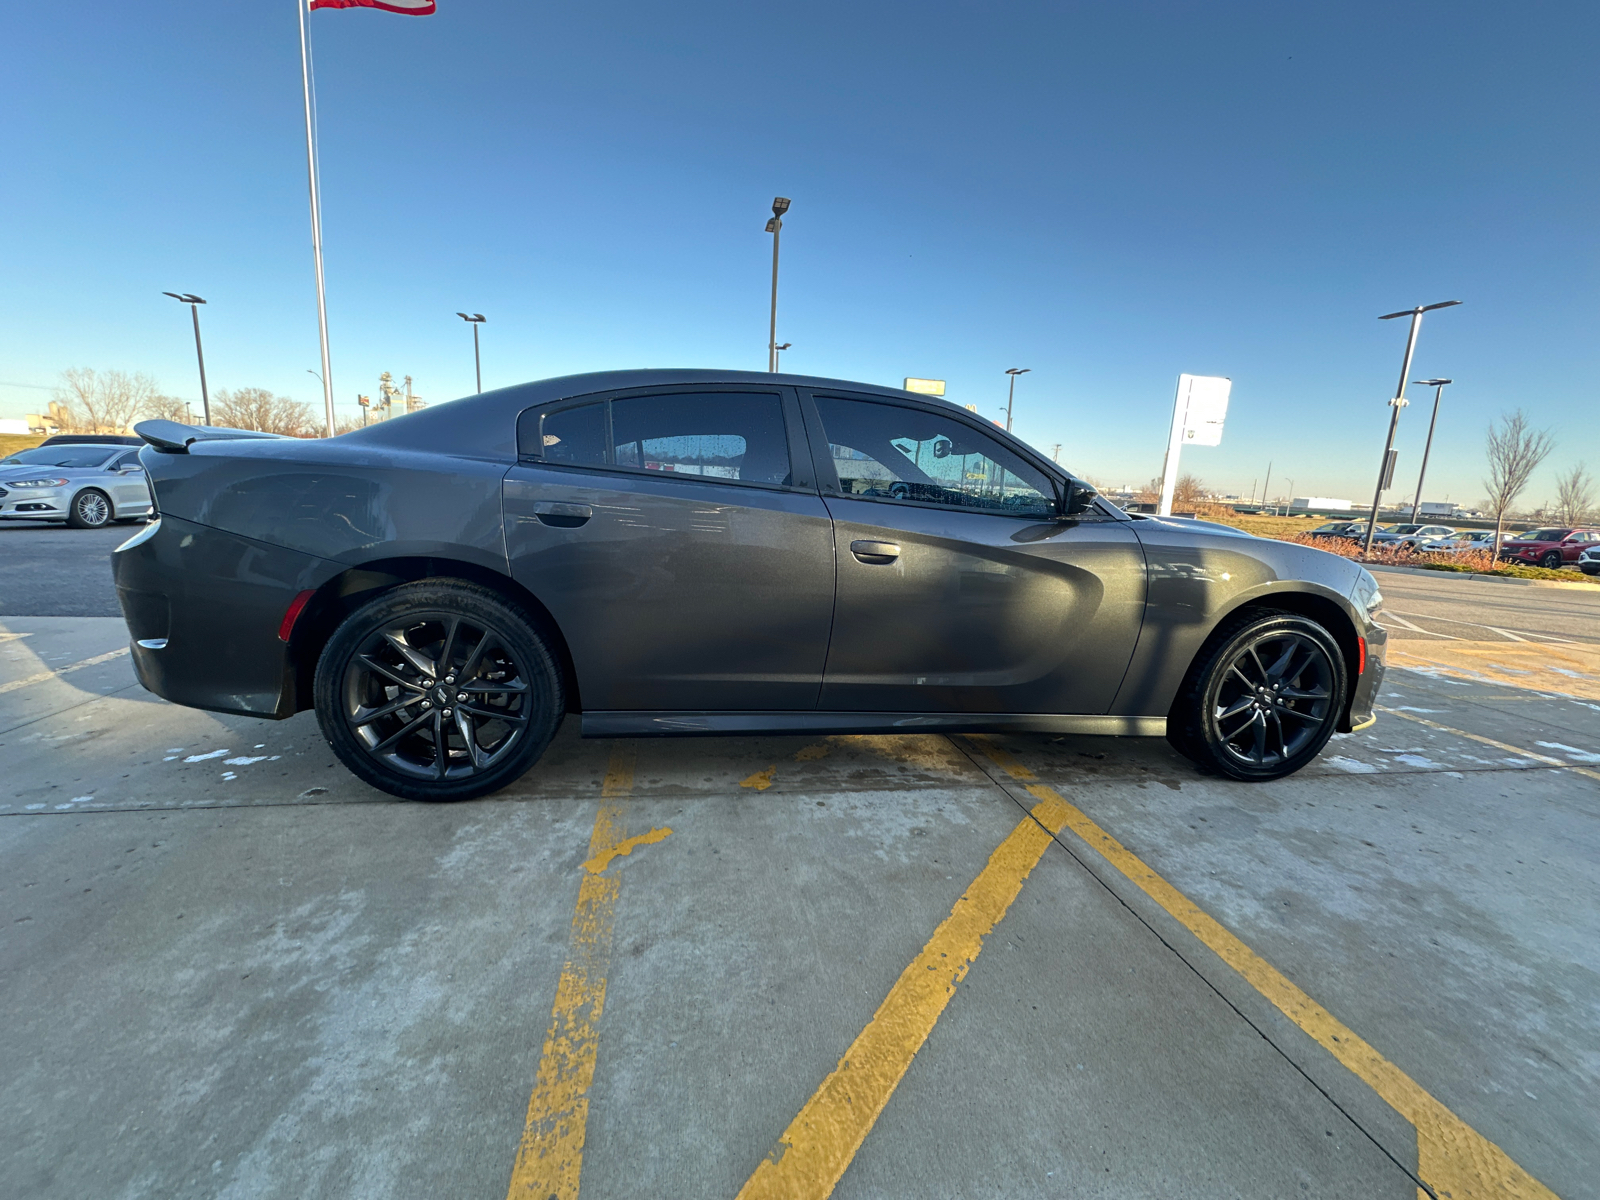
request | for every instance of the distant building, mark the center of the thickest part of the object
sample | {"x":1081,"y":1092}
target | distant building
{"x":1306,"y":503}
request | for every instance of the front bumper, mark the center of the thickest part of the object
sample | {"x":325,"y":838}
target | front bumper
{"x":35,"y":504}
{"x":203,"y":609}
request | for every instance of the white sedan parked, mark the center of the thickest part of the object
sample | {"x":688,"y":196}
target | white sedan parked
{"x":1474,"y":539}
{"x":85,"y":485}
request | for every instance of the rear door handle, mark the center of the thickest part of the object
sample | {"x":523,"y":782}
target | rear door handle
{"x":875,"y":554}
{"x":561,"y":515}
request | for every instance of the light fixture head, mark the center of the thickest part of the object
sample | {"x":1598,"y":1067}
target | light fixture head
{"x":1411,"y":312}
{"x":772,"y":225}
{"x":184,"y":298}
{"x":780,"y":205}
{"x":474,"y":318}
{"x":1018,"y":370}
{"x":785,"y":346}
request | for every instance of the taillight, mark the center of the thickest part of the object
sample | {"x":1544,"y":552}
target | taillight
{"x":297,"y":606}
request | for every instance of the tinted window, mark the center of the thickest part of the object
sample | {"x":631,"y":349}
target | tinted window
{"x":62,"y":456}
{"x":717,"y":435}
{"x":575,"y":435}
{"x":888,"y":452}
{"x":131,"y":459}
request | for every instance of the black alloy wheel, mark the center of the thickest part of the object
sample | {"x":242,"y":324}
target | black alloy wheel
{"x":1262,"y":698}
{"x":1551,"y":561}
{"x":438,"y":690}
{"x":90,"y":509}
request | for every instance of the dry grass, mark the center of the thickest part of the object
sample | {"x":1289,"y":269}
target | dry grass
{"x":10,"y":443}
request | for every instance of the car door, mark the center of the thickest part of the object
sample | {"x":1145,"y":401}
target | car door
{"x":130,"y":490}
{"x":677,"y":538}
{"x":959,"y":588}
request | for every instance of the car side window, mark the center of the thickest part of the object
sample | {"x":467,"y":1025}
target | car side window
{"x":914,"y":456}
{"x":131,"y":459}
{"x":715,"y":435}
{"x":574,"y":436}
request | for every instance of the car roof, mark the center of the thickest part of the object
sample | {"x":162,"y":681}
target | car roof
{"x":93,"y":439}
{"x":485,"y":425}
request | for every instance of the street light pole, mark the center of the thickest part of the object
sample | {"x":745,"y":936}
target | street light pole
{"x":780,"y":350}
{"x":194,"y":303}
{"x":1438,"y":386}
{"x":780,"y":205}
{"x":1011,"y":391}
{"x":1397,"y":404}
{"x":475,"y":320}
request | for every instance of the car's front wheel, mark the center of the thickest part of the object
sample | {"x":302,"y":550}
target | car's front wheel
{"x":438,"y":690}
{"x":90,"y":510}
{"x":1262,"y":699}
{"x":1551,"y":560}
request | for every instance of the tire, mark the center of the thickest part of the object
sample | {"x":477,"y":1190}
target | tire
{"x":1590,"y":570}
{"x":1283,"y":674}
{"x":384,"y":724}
{"x":1551,"y":560}
{"x":91,"y":509}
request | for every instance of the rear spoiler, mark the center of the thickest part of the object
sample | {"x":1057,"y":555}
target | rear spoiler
{"x":173,"y":437}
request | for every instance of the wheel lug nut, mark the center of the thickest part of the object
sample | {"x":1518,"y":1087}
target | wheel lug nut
{"x":447,"y":712}
{"x":427,"y":704}
{"x":461,"y":696}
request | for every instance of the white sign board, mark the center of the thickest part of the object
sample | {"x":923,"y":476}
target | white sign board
{"x":1206,"y":410}
{"x":1198,"y":411}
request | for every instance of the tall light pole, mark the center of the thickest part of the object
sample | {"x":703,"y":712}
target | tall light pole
{"x":1438,"y":386}
{"x":1397,"y":404}
{"x":194,"y":303}
{"x":1011,"y":391}
{"x":475,"y":320}
{"x":780,"y":350}
{"x":780,"y":205}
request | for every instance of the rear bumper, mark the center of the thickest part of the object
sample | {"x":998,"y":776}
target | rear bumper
{"x":203,"y":609}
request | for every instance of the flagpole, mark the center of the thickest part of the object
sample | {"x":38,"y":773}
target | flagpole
{"x":316,"y":217}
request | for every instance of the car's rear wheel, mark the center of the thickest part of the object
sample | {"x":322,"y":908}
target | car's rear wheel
{"x":438,"y":690}
{"x":1551,"y":560}
{"x":1262,"y":699}
{"x":90,"y":509}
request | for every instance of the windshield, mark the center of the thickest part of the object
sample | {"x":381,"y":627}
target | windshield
{"x":64,"y":456}
{"x":1404,"y":528}
{"x":1543,"y":535}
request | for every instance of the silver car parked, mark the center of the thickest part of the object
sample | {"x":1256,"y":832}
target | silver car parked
{"x":85,"y":485}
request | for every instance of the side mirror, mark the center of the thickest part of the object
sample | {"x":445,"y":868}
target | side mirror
{"x":1079,"y":498}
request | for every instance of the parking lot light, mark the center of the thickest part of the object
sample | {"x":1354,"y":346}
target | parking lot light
{"x":194,"y":302}
{"x":475,"y":320}
{"x":1438,"y":386}
{"x":1399,"y":402}
{"x":1011,"y":391}
{"x":780,"y":205}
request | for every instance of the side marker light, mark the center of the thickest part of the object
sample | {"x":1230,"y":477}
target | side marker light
{"x":298,"y":604}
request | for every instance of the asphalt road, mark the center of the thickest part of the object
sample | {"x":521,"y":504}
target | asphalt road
{"x":53,"y":571}
{"x":1444,"y":605}
{"x":898,"y":966}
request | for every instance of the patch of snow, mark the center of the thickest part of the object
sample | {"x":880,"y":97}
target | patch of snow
{"x":1353,"y":766}
{"x":229,"y":775}
{"x":203,"y":757}
{"x":244,"y":761}
{"x":1571,"y":752}
{"x":1417,"y":760}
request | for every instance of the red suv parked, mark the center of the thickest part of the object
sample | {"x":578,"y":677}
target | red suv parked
{"x":1553,"y":548}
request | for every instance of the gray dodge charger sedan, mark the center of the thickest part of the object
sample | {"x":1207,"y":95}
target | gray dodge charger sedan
{"x":716,"y":552}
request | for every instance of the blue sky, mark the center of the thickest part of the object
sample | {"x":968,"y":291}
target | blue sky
{"x":1106,"y":194}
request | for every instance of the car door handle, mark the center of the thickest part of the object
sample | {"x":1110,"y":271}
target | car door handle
{"x":876,"y":554}
{"x":561,"y":515}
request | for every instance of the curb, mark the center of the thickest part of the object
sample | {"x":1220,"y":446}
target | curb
{"x":1544,"y":583}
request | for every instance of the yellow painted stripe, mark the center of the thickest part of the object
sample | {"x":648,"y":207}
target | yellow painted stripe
{"x":1507,"y":747}
{"x":550,"y":1155}
{"x":625,"y":847}
{"x":42,"y":676}
{"x":1452,"y":1158}
{"x":814,"y":1151}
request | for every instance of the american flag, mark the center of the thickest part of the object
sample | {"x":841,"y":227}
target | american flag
{"x":411,"y":8}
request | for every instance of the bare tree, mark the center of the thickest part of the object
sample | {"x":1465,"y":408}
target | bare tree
{"x":102,"y":401}
{"x":1574,"y":496}
{"x":167,"y":408}
{"x":1515,"y":452}
{"x":257,"y":408}
{"x":1188,"y":492}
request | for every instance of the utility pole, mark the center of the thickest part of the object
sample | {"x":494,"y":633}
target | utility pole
{"x":1011,"y":391}
{"x":194,"y":302}
{"x":780,"y":205}
{"x":1438,"y":385}
{"x":1385,"y":470}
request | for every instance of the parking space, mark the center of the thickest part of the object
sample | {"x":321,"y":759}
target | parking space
{"x":868,"y":966}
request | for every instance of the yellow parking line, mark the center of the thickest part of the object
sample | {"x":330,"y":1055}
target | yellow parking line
{"x":1474,"y":737}
{"x":1452,"y":1158}
{"x":550,"y":1155}
{"x":814,"y":1151}
{"x":42,"y":676}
